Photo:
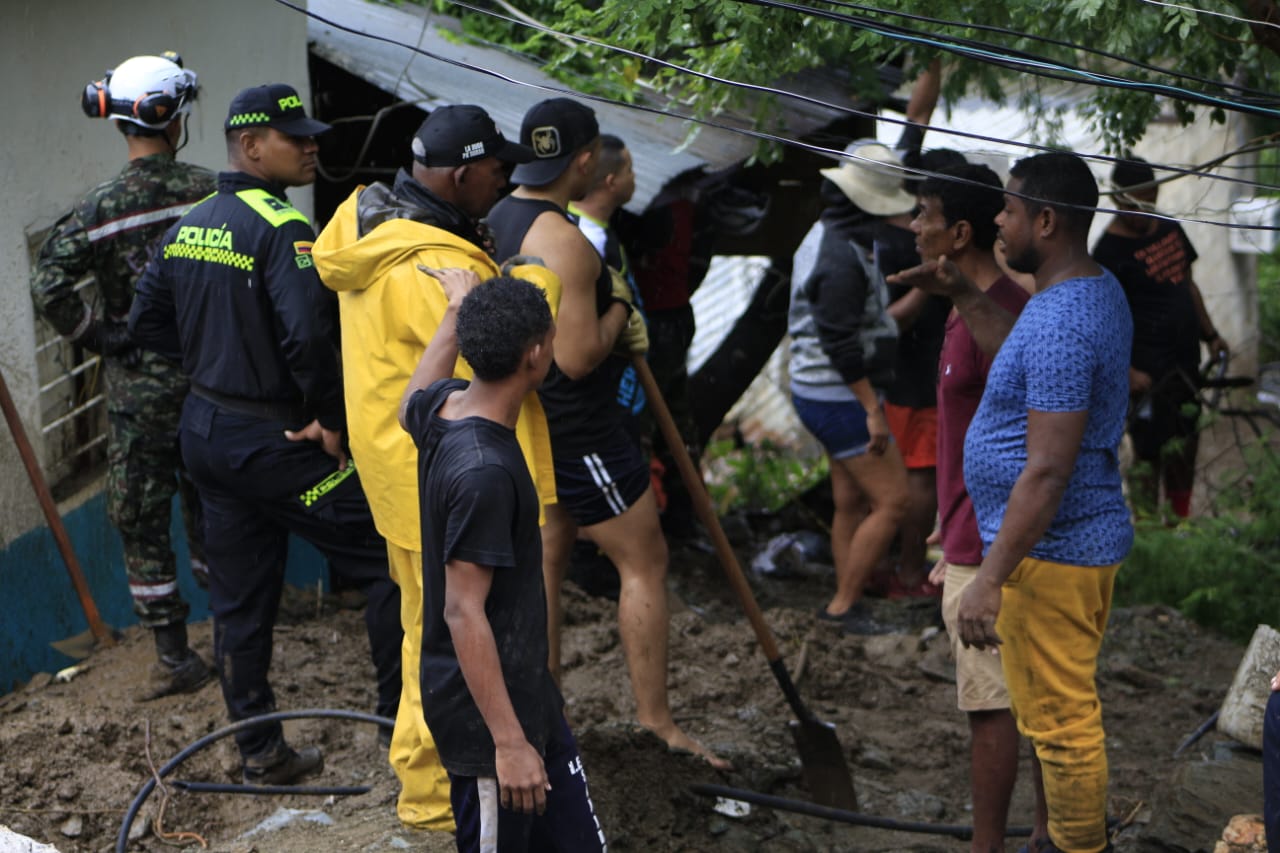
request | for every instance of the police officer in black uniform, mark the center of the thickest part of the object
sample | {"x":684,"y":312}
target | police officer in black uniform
{"x":234,"y":296}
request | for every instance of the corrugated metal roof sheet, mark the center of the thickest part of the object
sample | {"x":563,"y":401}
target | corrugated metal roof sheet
{"x":658,"y":145}
{"x":764,"y":411}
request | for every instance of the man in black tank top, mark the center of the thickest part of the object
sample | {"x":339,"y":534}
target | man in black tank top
{"x":602,"y":478}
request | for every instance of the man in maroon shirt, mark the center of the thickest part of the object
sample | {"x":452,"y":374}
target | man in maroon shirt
{"x":956,"y":221}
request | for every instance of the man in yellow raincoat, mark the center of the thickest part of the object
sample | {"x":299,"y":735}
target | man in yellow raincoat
{"x":371,"y":253}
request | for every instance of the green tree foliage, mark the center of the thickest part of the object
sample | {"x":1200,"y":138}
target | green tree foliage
{"x":746,"y":41}
{"x":1219,"y":570}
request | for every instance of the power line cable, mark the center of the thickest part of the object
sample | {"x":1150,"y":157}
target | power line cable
{"x":992,"y":28}
{"x":842,"y":108}
{"x":750,"y":132}
{"x":1250,"y":21}
{"x":1008,"y":59}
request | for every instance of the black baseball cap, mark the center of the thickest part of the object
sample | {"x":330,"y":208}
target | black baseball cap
{"x":464,"y":133}
{"x":273,"y":105}
{"x":555,"y":129}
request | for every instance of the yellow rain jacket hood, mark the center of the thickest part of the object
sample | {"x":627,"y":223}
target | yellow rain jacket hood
{"x":369,"y":254}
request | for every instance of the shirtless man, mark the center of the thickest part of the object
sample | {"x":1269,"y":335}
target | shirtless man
{"x":602,"y":479}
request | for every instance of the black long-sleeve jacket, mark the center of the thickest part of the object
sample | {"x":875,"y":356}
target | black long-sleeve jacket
{"x":838,"y":321}
{"x":233,"y":294}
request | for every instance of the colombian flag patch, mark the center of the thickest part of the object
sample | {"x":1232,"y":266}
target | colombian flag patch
{"x":302,"y":247}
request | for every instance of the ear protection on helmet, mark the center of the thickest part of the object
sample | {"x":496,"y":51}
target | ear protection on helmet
{"x":151,"y":107}
{"x":96,"y":101}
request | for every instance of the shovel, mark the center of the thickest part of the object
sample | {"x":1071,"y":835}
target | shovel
{"x":99,"y":633}
{"x":821,"y":757}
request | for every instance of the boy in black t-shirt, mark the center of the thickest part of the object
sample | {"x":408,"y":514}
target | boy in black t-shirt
{"x":488,"y":697}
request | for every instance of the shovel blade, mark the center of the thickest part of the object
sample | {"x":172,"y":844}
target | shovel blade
{"x":822,"y":762}
{"x":79,"y":646}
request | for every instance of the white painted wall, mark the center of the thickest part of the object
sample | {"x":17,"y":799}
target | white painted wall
{"x":51,"y":152}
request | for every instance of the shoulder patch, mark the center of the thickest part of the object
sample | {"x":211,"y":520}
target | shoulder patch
{"x":302,"y":254}
{"x":276,"y":211}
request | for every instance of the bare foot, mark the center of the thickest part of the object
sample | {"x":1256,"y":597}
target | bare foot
{"x":677,"y":740}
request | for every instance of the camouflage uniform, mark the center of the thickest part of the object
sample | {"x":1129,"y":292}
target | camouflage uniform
{"x":112,"y":232}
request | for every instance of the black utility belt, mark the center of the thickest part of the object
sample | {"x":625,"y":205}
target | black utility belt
{"x":290,"y":413}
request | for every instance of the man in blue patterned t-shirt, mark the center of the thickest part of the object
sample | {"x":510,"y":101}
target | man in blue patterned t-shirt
{"x":1040,"y":465}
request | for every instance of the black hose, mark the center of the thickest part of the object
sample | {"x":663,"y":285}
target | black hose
{"x":304,"y":790}
{"x":964,"y":833}
{"x":122,"y":839}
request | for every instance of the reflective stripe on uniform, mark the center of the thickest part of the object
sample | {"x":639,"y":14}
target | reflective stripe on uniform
{"x":137,"y":220}
{"x":271,"y":208}
{"x":209,"y":255}
{"x":248,"y":118}
{"x":151,"y":591}
{"x":328,"y":484}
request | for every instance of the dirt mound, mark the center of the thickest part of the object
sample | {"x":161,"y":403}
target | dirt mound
{"x":75,"y":753}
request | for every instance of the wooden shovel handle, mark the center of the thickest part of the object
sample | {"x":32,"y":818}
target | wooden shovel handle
{"x":99,"y":629}
{"x":704,"y":510}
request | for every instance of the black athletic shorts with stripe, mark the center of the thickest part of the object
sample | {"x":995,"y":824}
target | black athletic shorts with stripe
{"x":599,"y":485}
{"x":569,"y":824}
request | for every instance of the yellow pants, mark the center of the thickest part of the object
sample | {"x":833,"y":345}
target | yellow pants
{"x":424,"y":784}
{"x":1051,"y":621}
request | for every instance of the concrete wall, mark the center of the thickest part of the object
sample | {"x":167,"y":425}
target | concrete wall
{"x":51,"y":154}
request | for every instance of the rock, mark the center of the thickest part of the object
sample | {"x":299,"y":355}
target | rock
{"x":141,"y":827}
{"x":1136,"y":676}
{"x":874,"y":758}
{"x":919,"y":805}
{"x":72,"y":827}
{"x":1188,"y":808}
{"x":66,"y":728}
{"x":17,"y":843}
{"x":67,"y":791}
{"x":1246,"y":702}
{"x":1245,"y":833}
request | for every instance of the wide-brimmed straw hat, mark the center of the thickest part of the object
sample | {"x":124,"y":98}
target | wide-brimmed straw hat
{"x":872,"y":179}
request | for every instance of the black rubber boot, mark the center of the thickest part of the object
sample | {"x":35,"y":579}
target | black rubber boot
{"x":282,"y":765}
{"x":178,"y":669}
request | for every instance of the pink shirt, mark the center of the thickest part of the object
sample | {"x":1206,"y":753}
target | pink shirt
{"x":962,"y":377}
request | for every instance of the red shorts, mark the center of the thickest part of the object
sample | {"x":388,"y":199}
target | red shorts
{"x":916,"y":433}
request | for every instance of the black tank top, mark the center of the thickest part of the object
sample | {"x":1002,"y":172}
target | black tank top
{"x":582,"y":414}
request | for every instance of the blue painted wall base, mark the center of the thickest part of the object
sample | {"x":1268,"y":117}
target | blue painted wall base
{"x":38,"y":604}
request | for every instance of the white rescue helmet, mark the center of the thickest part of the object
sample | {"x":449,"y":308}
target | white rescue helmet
{"x":149,"y":91}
